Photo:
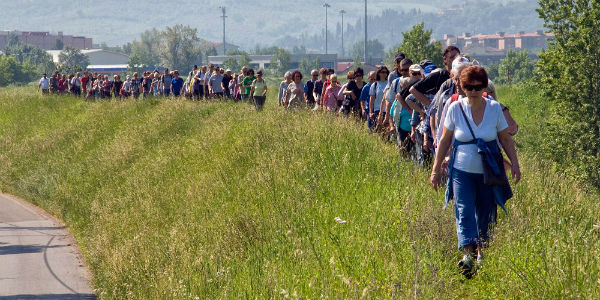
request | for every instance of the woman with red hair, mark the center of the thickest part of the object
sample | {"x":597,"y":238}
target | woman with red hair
{"x":476,"y":124}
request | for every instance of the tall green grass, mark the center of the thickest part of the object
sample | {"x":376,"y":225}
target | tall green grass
{"x":173,"y":199}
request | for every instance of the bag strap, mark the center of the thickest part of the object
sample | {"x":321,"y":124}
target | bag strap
{"x":466,"y":120}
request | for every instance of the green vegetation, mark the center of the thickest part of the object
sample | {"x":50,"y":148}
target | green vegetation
{"x":416,"y":45}
{"x":516,"y":67}
{"x":569,"y":76}
{"x":14,"y":72}
{"x":184,"y":200}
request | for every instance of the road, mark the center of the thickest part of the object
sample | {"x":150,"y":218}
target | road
{"x":38,"y":256}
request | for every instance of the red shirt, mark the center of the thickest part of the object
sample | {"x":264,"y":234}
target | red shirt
{"x":84,"y":81}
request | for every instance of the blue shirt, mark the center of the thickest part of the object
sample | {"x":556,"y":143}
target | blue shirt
{"x":176,"y":85}
{"x":364,"y":95}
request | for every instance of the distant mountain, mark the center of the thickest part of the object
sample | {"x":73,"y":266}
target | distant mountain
{"x":263,"y":22}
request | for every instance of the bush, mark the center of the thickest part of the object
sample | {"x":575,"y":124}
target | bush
{"x":13,"y":72}
{"x":569,"y":76}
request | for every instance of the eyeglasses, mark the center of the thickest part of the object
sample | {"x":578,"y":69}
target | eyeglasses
{"x":315,"y":75}
{"x":471,"y":87}
{"x":416,"y":73}
{"x":404,"y":70}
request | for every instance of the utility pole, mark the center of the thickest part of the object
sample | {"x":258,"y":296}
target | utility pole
{"x":365,"y":32}
{"x":223,"y":16}
{"x":326,"y":7}
{"x":342,"y":12}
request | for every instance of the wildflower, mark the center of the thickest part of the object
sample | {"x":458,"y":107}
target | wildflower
{"x":340,"y":220}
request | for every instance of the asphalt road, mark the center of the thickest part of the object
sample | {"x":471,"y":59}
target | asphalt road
{"x":38,"y":256}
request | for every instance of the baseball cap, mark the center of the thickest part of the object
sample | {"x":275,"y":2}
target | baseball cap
{"x":459,"y":60}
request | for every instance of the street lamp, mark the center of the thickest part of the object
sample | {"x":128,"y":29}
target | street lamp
{"x":342,"y":12}
{"x":326,"y":7}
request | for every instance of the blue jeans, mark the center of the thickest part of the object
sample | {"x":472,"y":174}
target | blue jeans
{"x":475,"y":208}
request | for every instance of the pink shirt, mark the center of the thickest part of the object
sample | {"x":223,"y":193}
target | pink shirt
{"x":331,"y":97}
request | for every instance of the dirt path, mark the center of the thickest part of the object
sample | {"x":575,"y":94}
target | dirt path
{"x":38,"y":256}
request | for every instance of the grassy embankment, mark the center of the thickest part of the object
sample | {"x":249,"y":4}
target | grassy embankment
{"x":179,"y":200}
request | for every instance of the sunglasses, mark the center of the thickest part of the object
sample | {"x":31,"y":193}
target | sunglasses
{"x":471,"y":87}
{"x":416,"y":73}
{"x":404,"y":70}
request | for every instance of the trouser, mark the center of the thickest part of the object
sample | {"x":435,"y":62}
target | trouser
{"x":227,"y":93}
{"x":259,"y":102}
{"x":136,"y":95}
{"x":401,"y":137}
{"x":166,"y":92}
{"x":372,"y":121}
{"x":198,"y":93}
{"x":475,"y":208}
{"x":45,"y":91}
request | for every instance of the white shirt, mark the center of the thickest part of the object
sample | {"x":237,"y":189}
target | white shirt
{"x":45,"y":83}
{"x":467,"y":159}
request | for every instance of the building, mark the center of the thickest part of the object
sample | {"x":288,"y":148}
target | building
{"x":490,"y":48}
{"x":219,"y":47}
{"x":263,"y":61}
{"x":45,"y":40}
{"x":97,"y":57}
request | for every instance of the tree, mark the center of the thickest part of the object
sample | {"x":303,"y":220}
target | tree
{"x":569,"y":76}
{"x":71,"y":59}
{"x":516,"y":67}
{"x":180,"y":47}
{"x":59,"y":45}
{"x":416,"y":45}
{"x":374,"y":49}
{"x":12,"y":71}
{"x":305,"y":65}
{"x":244,"y":60}
{"x":232,"y":64}
{"x":281,"y":61}
{"x":34,"y":56}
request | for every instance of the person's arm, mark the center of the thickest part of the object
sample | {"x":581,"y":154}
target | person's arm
{"x":265,"y":91}
{"x":420,"y":96}
{"x":371,"y":104}
{"x":508,"y":144}
{"x":415,"y":107}
{"x":444,"y":146}
{"x":513,"y":127}
{"x":403,"y":103}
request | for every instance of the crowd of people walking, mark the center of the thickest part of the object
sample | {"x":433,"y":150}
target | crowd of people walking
{"x":445,"y":116}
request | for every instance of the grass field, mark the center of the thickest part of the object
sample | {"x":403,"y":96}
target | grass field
{"x":186,"y":200}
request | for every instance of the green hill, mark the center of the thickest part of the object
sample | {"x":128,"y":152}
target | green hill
{"x":186,"y":200}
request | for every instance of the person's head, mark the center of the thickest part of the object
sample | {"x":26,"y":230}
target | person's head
{"x":404,"y":67}
{"x":117,"y":77}
{"x":250,"y":72}
{"x":416,"y":72}
{"x":128,"y":78}
{"x":400,"y":56}
{"x":176,"y":73}
{"x":203,"y":69}
{"x":473,"y":80}
{"x":70,"y":76}
{"x":166,"y":71}
{"x":358,"y":74}
{"x":372,"y":76}
{"x":64,"y":76}
{"x":259,"y":74}
{"x":330,"y":71}
{"x":449,"y":55}
{"x":44,"y":75}
{"x":195,"y":67}
{"x":105,"y":77}
{"x":135,"y":75}
{"x":211,"y":67}
{"x":287,"y":76}
{"x":382,"y":73}
{"x":297,"y":76}
{"x":459,"y":60}
{"x":323,"y":73}
{"x":334,"y":79}
{"x":78,"y":74}
{"x":350,"y":76}
{"x":244,"y":70}
{"x":228,"y":72}
{"x":222,"y":71}
{"x":314,"y":74}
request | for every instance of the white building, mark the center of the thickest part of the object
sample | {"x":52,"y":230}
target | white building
{"x":97,"y":57}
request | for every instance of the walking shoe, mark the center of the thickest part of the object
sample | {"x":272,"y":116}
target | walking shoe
{"x":466,"y":265}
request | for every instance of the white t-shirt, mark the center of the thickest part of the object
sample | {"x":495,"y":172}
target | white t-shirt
{"x":467,"y":159}
{"x":45,"y":83}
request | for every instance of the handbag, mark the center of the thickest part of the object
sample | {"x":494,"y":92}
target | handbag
{"x":494,"y":173}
